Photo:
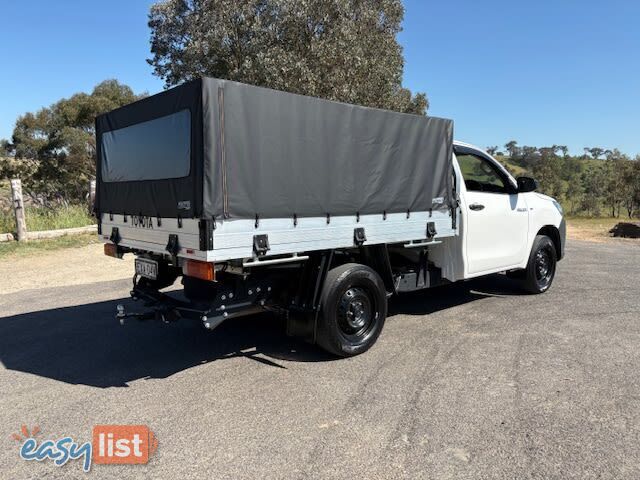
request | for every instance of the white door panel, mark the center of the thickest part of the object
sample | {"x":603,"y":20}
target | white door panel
{"x":496,"y":217}
{"x":497,"y":233}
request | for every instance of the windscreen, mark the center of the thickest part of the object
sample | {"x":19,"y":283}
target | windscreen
{"x":153,"y":150}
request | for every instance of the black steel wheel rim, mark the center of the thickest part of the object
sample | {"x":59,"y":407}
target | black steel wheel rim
{"x":544,"y":266}
{"x":357,"y":312}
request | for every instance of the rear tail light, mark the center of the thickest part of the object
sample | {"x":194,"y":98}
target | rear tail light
{"x":201,"y":270}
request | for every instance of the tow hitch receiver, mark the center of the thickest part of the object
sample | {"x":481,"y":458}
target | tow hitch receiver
{"x":161,"y":306}
{"x":165,"y":316}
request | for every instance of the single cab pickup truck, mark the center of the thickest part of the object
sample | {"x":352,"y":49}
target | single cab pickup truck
{"x":314,"y":210}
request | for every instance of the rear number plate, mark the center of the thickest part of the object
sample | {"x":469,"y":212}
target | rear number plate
{"x":147,"y":268}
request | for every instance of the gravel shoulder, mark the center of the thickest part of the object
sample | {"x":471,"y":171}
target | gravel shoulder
{"x":64,"y":267}
{"x":597,"y":230}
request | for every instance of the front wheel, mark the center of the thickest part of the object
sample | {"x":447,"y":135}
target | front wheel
{"x":353,"y":309}
{"x":541,"y":268}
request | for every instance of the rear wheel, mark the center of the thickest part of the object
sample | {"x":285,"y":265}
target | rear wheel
{"x":541,"y":268}
{"x":353,"y":308}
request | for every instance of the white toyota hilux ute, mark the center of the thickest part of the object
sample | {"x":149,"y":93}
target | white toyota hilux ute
{"x":318,"y":211}
{"x":337,"y":297}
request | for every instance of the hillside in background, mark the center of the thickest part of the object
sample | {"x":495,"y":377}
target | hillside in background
{"x":600,"y":182}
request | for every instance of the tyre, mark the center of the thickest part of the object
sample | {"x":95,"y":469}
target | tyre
{"x":541,"y":268}
{"x":353,"y":308}
{"x":517,"y":274}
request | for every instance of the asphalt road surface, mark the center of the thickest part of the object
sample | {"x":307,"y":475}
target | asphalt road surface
{"x":470,"y":381}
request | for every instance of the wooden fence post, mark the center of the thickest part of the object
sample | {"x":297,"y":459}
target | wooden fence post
{"x":92,"y":195}
{"x":18,"y":208}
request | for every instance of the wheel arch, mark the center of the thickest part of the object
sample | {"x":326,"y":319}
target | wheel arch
{"x":553,"y":233}
{"x":376,"y":257}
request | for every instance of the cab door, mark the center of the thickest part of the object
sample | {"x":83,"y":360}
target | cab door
{"x":496,"y":216}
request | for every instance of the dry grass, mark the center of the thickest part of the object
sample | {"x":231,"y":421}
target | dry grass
{"x":41,"y":218}
{"x":596,"y":229}
{"x":14,"y":249}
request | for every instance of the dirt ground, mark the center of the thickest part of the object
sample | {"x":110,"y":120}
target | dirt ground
{"x":72,"y":266}
{"x":596,"y":230}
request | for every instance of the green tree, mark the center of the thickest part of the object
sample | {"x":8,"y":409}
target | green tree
{"x":512,"y":149}
{"x":548,"y":171}
{"x":564,"y":149}
{"x":343,"y":50}
{"x":636,"y":183}
{"x":530,"y":156}
{"x":5,"y":148}
{"x":594,"y":185}
{"x":493,"y":150}
{"x":53,"y":149}
{"x":614,"y":167}
{"x":630,"y":176}
{"x":595,"y":152}
{"x":571,"y":173}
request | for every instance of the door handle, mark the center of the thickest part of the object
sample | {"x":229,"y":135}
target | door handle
{"x":476,"y":206}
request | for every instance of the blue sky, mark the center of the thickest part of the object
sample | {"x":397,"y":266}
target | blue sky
{"x":544,"y":72}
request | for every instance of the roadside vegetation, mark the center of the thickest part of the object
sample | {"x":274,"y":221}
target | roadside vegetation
{"x":44,"y":218}
{"x":30,"y":247}
{"x":598,"y":183}
{"x":52,"y":151}
{"x":51,"y":215}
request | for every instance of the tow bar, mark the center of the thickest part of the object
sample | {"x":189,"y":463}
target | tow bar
{"x":122,"y":315}
{"x":167,"y":309}
{"x":167,"y":314}
{"x":160,"y":306}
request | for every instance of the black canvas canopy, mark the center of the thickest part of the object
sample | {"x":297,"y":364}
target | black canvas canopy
{"x":216,"y":148}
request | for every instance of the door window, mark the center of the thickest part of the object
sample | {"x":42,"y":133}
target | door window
{"x":480,"y":175}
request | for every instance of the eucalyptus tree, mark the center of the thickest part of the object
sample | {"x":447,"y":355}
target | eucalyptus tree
{"x":53,"y":149}
{"x":345,"y":50}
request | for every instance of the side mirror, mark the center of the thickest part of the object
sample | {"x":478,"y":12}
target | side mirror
{"x":526,"y":184}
